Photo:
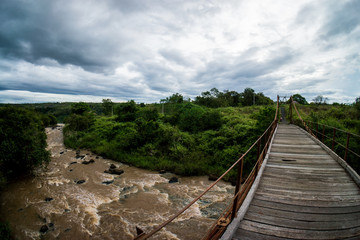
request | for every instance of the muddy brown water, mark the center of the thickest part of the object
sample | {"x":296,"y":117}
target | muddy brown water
{"x":96,"y":210}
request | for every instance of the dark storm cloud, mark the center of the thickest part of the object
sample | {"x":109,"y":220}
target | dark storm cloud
{"x":244,"y":69}
{"x":32,"y":30}
{"x":344,"y":20}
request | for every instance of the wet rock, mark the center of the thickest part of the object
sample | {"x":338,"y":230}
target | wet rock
{"x":173,"y":180}
{"x":62,"y":152}
{"x":77,"y":152}
{"x":108,"y":182}
{"x":117,"y":171}
{"x":67,"y":230}
{"x":212,"y":177}
{"x":114,"y":171}
{"x":79,"y":181}
{"x":51,"y":225}
{"x":73,"y":163}
{"x":20,"y":209}
{"x":112,"y":166}
{"x":48,"y":199}
{"x":66,"y":210}
{"x":88,"y":162}
{"x":71,"y":170}
{"x":139,"y":231}
{"x":97,"y":157}
{"x":80,"y":156}
{"x":44,"y":229}
{"x":162,"y":171}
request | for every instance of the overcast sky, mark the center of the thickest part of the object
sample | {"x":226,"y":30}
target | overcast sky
{"x":146,"y":50}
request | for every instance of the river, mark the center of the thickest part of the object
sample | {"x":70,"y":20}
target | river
{"x":72,"y":200}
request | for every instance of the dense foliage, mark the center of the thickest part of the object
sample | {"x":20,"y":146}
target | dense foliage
{"x":340,"y":116}
{"x":215,"y":98}
{"x":22,"y":142}
{"x":191,"y":140}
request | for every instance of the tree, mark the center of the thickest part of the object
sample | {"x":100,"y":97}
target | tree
{"x":80,"y":108}
{"x":320,"y":100}
{"x":357,"y":105}
{"x":175,"y":98}
{"x":247,"y":97}
{"x":300,"y":99}
{"x":22,"y":142}
{"x":81,"y":118}
{"x":261,"y":99}
{"x":107,"y":106}
{"x":126,"y":112}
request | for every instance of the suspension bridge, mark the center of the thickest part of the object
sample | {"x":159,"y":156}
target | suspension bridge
{"x":299,"y":188}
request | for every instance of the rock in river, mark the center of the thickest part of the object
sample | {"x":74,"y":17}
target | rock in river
{"x":173,"y":180}
{"x":80,"y":181}
{"x":44,"y":229}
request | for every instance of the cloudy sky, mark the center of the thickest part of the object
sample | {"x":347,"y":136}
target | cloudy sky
{"x":83,"y":50}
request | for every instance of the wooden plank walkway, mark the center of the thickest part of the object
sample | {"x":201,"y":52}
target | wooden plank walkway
{"x":303,"y":194}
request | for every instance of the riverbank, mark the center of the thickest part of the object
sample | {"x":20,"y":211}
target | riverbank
{"x":74,"y":199}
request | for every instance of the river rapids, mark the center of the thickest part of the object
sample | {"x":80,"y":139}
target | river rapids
{"x":72,"y":200}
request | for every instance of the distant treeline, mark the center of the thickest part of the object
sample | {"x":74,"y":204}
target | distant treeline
{"x":213,"y":99}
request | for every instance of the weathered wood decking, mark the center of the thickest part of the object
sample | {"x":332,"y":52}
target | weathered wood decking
{"x":303,"y":194}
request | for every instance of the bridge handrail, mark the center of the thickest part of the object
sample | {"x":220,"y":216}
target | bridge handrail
{"x":323,"y":135}
{"x":268,"y":133}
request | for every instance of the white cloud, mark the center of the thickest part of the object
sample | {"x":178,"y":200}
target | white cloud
{"x":148,"y":50}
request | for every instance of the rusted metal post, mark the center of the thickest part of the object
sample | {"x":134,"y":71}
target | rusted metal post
{"x":347,"y":146}
{"x":323,"y":134}
{"x":333,"y":142}
{"x":237,"y":188}
{"x":258,"y":150}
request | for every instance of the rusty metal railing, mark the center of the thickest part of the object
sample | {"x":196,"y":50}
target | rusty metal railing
{"x":320,"y":131}
{"x":217,"y":229}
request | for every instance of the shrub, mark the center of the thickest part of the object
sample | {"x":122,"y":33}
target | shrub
{"x":22,"y":142}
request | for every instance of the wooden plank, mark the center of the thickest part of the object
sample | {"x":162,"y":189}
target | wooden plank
{"x":307,"y":202}
{"x":286,"y":160}
{"x":334,"y":169}
{"x":242,"y":234}
{"x":315,"y":172}
{"x":311,"y":184}
{"x":310,"y":178}
{"x":310,"y":198}
{"x":306,"y":188}
{"x":315,"y":217}
{"x":300,"y":156}
{"x":298,"y":233}
{"x":287,"y":146}
{"x":310,"y":224}
{"x":305,"y":209}
{"x":302,"y":163}
{"x":312,"y":192}
{"x":306,"y":151}
{"x":299,"y":142}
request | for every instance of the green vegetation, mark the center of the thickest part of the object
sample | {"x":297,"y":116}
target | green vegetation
{"x":191,"y":140}
{"x":340,"y":116}
{"x":214,"y":98}
{"x":22,"y":142}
